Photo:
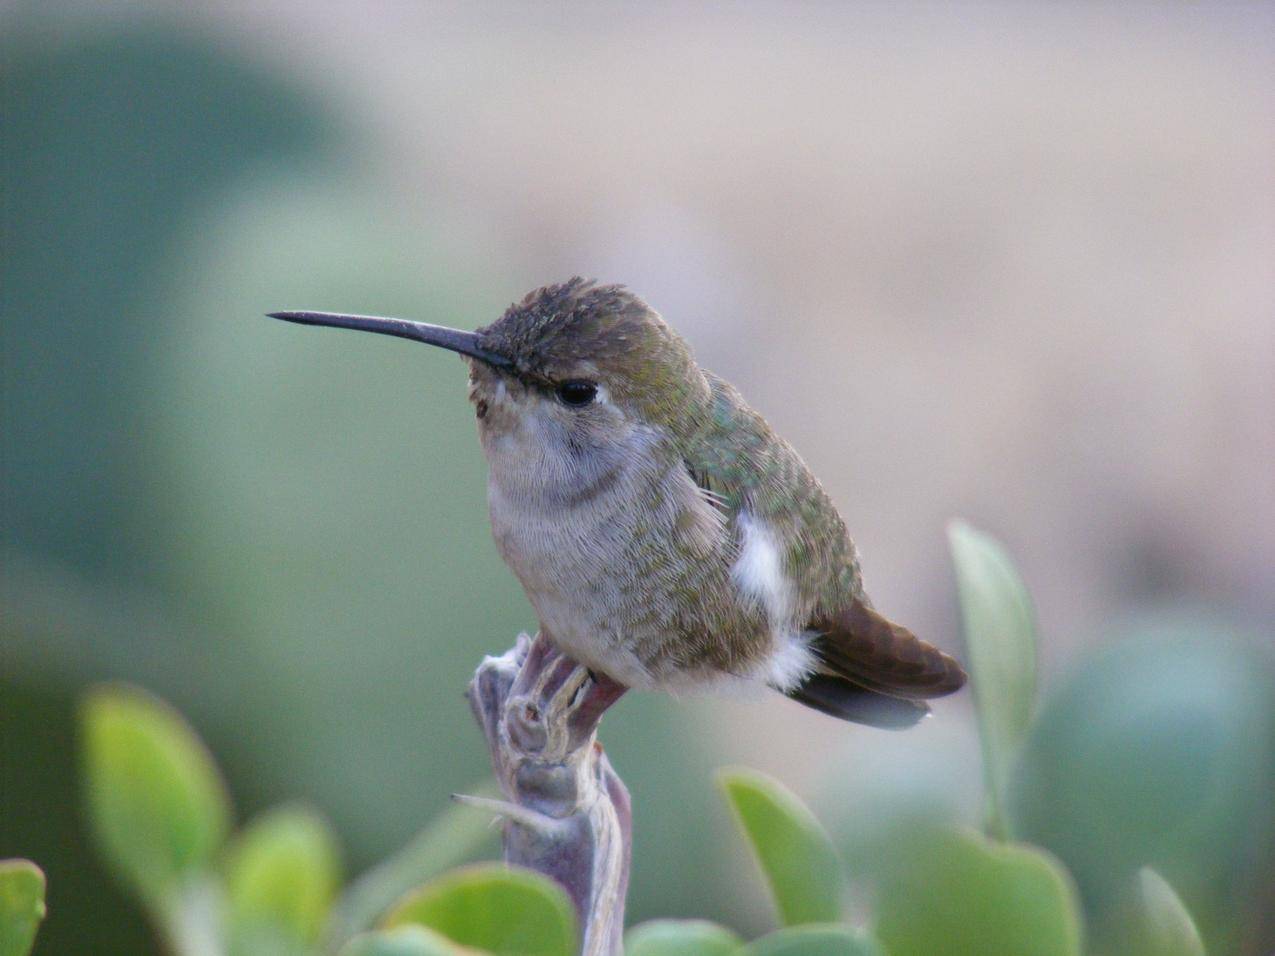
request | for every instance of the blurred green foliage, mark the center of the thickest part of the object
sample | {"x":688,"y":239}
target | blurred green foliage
{"x":21,"y":905}
{"x":1158,"y":752}
{"x":794,"y":851}
{"x":814,"y":940}
{"x":455,"y":834}
{"x":404,"y":941}
{"x":156,"y":802}
{"x":496,"y":909}
{"x":282,"y":874}
{"x":178,"y":470}
{"x":958,"y":892}
{"x":1157,"y":923}
{"x":160,"y":811}
{"x":666,"y":937}
{"x":1002,"y":662}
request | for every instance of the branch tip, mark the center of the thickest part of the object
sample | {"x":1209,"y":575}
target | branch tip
{"x":525,"y":816}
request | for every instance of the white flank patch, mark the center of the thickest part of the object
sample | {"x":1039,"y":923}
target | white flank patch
{"x":791,"y":663}
{"x":758,"y":572}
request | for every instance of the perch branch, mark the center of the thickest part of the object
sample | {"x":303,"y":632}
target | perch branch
{"x":566,"y":813}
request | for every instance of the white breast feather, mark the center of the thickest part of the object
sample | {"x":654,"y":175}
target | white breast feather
{"x":758,"y":572}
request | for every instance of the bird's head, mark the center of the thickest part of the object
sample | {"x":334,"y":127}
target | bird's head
{"x":569,"y":380}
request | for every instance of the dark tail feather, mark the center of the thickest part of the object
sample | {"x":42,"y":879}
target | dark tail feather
{"x":841,"y":698}
{"x":873,"y":671}
{"x":862,"y":646}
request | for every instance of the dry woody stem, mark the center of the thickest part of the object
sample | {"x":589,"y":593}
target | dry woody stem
{"x":566,"y":813}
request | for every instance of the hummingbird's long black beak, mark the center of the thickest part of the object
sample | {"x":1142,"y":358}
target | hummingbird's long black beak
{"x":466,"y":343}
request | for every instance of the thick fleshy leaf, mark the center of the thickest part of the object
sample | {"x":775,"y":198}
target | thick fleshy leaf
{"x":282,"y":873}
{"x":157,"y":805}
{"x":404,"y":941}
{"x":1161,"y":924}
{"x":827,"y":939}
{"x":1000,"y":648}
{"x":952,"y":891}
{"x":1159,"y":751}
{"x":1170,"y":931}
{"x":21,"y":905}
{"x":680,"y":937}
{"x":452,"y":837}
{"x":508,"y":911}
{"x":793,"y":849}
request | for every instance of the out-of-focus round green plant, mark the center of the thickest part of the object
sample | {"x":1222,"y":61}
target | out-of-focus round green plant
{"x":792,"y":847}
{"x":282,"y":874}
{"x":21,"y":905}
{"x":680,"y":937}
{"x":156,"y":799}
{"x":1158,"y":752}
{"x":959,"y":892}
{"x":503,"y":910}
{"x":404,"y":941}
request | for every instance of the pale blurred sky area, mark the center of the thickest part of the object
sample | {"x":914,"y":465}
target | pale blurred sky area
{"x":1013,"y":262}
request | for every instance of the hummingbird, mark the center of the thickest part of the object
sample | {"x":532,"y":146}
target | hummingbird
{"x":664,"y":534}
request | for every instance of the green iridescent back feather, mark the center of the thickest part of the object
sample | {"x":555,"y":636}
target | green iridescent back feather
{"x":747,"y":467}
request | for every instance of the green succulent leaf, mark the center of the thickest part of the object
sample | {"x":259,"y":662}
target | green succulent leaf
{"x":793,"y":849}
{"x":1000,"y":642}
{"x":21,"y":906}
{"x":404,"y":941}
{"x":453,"y":836}
{"x":815,"y":939}
{"x":955,"y":891}
{"x":1162,"y":923}
{"x":680,"y":937}
{"x":1158,"y":751}
{"x":157,"y":806}
{"x":508,"y":911}
{"x":282,"y":873}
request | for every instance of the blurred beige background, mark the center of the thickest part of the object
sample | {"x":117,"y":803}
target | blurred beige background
{"x":1012,"y":262}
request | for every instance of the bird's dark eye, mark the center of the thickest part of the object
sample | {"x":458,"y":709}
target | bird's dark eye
{"x":577,"y":392}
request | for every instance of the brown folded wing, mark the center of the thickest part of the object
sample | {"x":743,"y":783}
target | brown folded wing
{"x":873,"y":671}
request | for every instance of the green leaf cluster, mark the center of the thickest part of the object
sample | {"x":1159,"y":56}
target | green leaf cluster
{"x":162,"y":820}
{"x":1031,"y":884}
{"x":949,"y":891}
{"x":945,"y":890}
